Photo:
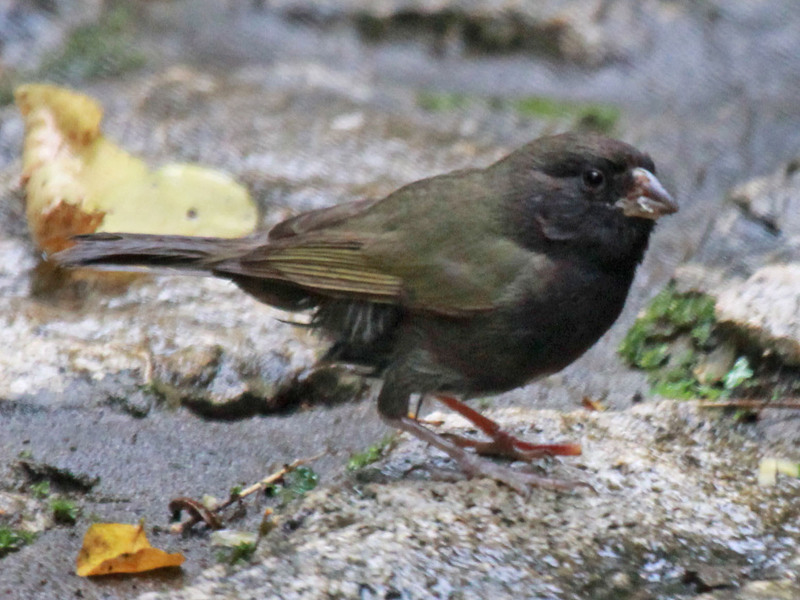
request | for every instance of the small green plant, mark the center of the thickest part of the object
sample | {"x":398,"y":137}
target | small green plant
{"x":41,"y":490}
{"x":236,"y":491}
{"x":740,"y":373}
{"x":652,"y":344}
{"x":240,"y":553}
{"x":64,"y":511}
{"x":12,"y":540}
{"x":295,"y":484}
{"x":372,"y":454}
{"x":299,"y":482}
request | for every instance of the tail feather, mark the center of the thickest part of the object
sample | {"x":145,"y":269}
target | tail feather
{"x":123,"y":250}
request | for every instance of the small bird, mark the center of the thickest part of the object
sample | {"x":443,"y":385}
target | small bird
{"x":472,"y":282}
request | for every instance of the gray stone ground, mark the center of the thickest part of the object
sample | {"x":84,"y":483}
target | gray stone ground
{"x":676,"y":502}
{"x":170,"y":386}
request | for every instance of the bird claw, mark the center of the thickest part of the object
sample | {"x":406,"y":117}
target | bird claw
{"x":521,"y":481}
{"x":475,"y":466}
{"x":505,"y":445}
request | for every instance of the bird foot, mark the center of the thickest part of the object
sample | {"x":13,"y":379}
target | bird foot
{"x":521,"y":481}
{"x":476,"y":466}
{"x":503,"y":444}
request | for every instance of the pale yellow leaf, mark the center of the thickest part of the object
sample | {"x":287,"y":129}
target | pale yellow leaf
{"x":76,"y":181}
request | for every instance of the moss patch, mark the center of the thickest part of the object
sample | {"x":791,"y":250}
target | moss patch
{"x":12,"y":540}
{"x":295,"y":485}
{"x":372,"y":454}
{"x":64,"y":511}
{"x":585,"y":116}
{"x":601,"y":118}
{"x":434,"y":101}
{"x":674,"y":339}
{"x":102,"y":49}
{"x":242,"y":552}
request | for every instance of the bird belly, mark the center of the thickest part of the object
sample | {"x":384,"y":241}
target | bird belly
{"x":506,"y":348}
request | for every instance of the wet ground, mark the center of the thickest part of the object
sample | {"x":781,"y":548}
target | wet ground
{"x":313,"y":103}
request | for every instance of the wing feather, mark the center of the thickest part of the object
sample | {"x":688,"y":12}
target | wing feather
{"x":412,"y":248}
{"x":331,"y":266}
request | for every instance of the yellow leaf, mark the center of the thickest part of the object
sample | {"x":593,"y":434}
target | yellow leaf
{"x":120,"y":548}
{"x":76,"y":181}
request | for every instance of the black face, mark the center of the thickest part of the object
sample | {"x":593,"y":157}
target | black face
{"x":568,"y":192}
{"x":592,"y":168}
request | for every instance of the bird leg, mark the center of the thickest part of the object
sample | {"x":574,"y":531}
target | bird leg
{"x":475,"y":466}
{"x":414,"y":414}
{"x":503,"y":444}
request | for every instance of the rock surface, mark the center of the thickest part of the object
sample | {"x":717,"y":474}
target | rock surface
{"x":314,"y":103}
{"x":750,"y":262}
{"x":675,"y":490}
{"x":766,"y":307}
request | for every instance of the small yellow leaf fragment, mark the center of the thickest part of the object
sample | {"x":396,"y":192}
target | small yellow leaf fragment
{"x":769,"y":468}
{"x":120,"y":548}
{"x":788,"y":468}
{"x":767,"y":472}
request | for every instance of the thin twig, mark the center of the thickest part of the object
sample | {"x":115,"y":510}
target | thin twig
{"x":747,"y":403}
{"x":195,"y":518}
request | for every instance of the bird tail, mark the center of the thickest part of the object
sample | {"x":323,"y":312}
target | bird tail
{"x":131,"y":251}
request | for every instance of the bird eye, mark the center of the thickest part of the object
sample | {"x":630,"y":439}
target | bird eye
{"x":593,"y":179}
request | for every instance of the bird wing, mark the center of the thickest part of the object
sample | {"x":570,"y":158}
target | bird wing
{"x":321,"y":218}
{"x":433,"y":246}
{"x":331,"y":265}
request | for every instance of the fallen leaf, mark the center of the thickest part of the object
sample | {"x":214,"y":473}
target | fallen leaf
{"x":593,"y":405}
{"x":121,"y":548}
{"x":76,"y":181}
{"x":769,"y":468}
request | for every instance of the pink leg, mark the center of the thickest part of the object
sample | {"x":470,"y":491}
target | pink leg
{"x":503,"y":444}
{"x":474,"y":466}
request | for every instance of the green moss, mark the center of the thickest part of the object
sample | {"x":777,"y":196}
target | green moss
{"x":536,"y":106}
{"x":240,"y":553}
{"x":294,"y":485}
{"x":41,"y":490}
{"x":670,"y":339}
{"x":669,"y":315}
{"x":442,"y":101}
{"x":12,"y":540}
{"x":371,"y":454}
{"x":64,"y":511}
{"x":236,"y":491}
{"x":600,"y":118}
{"x":301,"y":481}
{"x":740,"y":373}
{"x":102,"y":49}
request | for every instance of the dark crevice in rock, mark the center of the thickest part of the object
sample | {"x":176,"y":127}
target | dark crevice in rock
{"x":324,"y":386}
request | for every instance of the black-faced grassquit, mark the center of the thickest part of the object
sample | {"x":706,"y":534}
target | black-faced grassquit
{"x":473,"y":282}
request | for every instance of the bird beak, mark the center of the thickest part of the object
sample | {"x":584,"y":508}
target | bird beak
{"x":646,"y":197}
